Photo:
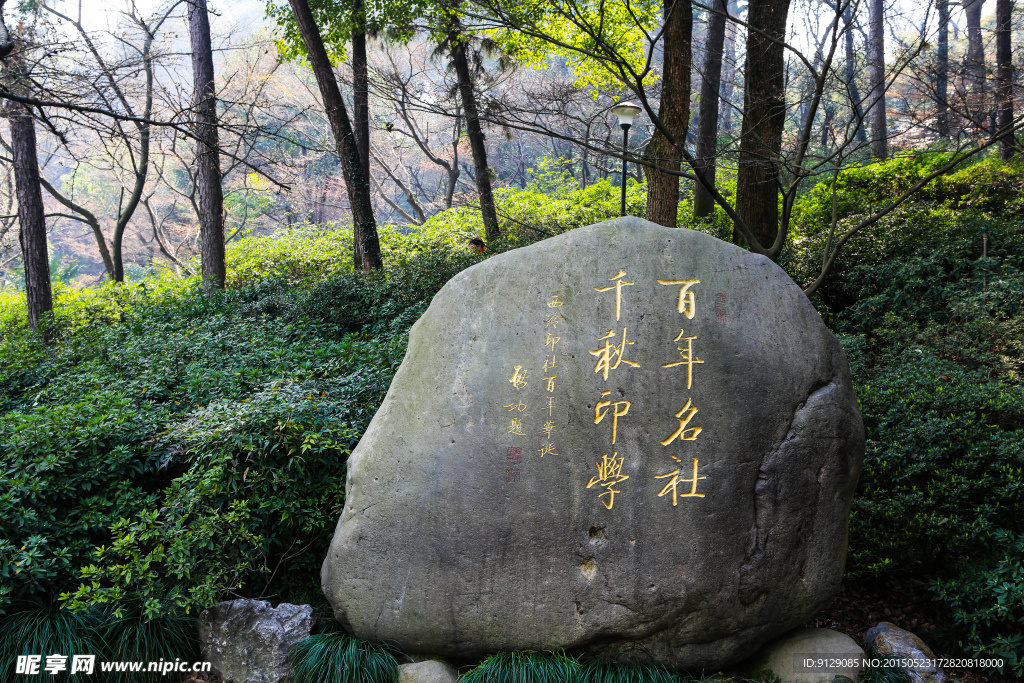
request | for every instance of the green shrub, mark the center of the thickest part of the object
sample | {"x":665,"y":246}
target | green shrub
{"x":987,"y":598}
{"x":942,"y":469}
{"x":992,"y":185}
{"x":935,"y":337}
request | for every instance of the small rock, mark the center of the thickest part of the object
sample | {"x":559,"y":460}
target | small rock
{"x":247,"y":641}
{"x":430,"y":671}
{"x":786,"y":657}
{"x":889,"y":640}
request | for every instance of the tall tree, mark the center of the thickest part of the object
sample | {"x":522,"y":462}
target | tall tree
{"x":665,"y":155}
{"x":942,"y":70}
{"x":30,"y":213}
{"x":764,"y":115}
{"x":710,"y":93}
{"x":31,"y":218}
{"x":457,"y":43}
{"x":366,"y":243}
{"x":729,"y":69}
{"x":876,"y":78}
{"x":208,"y":179}
{"x":851,"y":75}
{"x":975,"y":63}
{"x":360,"y":85}
{"x":136,"y":145}
{"x":1004,"y":77}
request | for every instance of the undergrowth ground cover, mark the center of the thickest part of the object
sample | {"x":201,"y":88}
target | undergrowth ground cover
{"x":167,"y":449}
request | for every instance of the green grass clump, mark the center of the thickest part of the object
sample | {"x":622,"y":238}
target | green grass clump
{"x":598,"y":671}
{"x":527,"y":666}
{"x":49,"y":630}
{"x":883,"y":674}
{"x":340,"y":658}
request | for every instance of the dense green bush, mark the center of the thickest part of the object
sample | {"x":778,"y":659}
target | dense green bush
{"x":993,"y":186}
{"x":168,"y":449}
{"x":935,"y":336}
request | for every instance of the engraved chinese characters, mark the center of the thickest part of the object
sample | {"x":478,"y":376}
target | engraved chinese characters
{"x":525,"y":411}
{"x":687,"y":305}
{"x":609,"y":358}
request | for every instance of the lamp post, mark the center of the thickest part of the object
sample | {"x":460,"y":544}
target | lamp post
{"x":626,"y":111}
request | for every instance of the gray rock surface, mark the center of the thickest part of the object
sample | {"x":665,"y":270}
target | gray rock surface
{"x":471,"y":527}
{"x":831,"y":654}
{"x":889,"y":640}
{"x":430,"y":671}
{"x":247,"y":641}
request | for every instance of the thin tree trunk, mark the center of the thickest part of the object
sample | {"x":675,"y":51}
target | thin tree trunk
{"x":942,"y":70}
{"x":729,"y":69}
{"x":360,"y":99}
{"x":851,"y":77}
{"x":30,"y":214}
{"x":674,"y":112}
{"x":126,"y":212}
{"x":1004,"y":75}
{"x":711,"y":85}
{"x":764,"y":115}
{"x":356,"y":182}
{"x":975,"y":63}
{"x":481,"y":170}
{"x":208,"y":181}
{"x":876,"y":75}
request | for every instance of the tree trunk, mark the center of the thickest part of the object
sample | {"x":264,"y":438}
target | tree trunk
{"x":30,"y":213}
{"x":851,"y":77}
{"x":356,"y":182}
{"x":975,"y":62}
{"x":942,"y":70}
{"x":729,"y":69}
{"x":674,"y":112}
{"x":1004,"y":75}
{"x":710,"y":91}
{"x":208,"y":181}
{"x":764,"y":115}
{"x":876,"y":75}
{"x":481,"y":170}
{"x":360,"y":100}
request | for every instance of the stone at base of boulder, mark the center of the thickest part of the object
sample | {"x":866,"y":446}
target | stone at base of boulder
{"x":889,"y":640}
{"x":429,"y":671}
{"x":247,"y":641}
{"x":784,"y":657}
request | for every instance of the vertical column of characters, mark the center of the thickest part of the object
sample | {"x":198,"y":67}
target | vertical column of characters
{"x":686,"y":304}
{"x":609,"y":358}
{"x":516,"y":409}
{"x":552,"y":337}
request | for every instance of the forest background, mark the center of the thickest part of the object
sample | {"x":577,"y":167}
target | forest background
{"x":161,"y":438}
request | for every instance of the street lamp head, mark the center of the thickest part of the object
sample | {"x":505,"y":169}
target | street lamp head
{"x":626,"y":111}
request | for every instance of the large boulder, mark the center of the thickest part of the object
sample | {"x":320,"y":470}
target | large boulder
{"x":247,"y":641}
{"x":630,"y":440}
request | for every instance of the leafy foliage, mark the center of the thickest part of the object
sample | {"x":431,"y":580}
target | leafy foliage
{"x":935,"y":334}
